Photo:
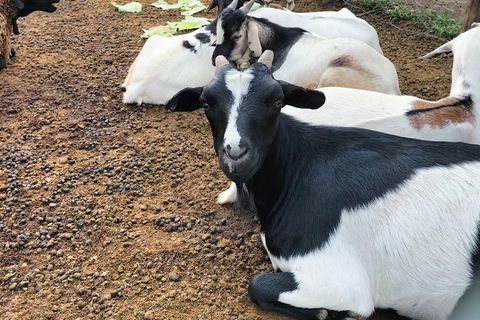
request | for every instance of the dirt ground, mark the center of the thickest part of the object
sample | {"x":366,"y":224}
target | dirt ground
{"x":108,"y":210}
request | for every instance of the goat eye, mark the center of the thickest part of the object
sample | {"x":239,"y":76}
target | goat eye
{"x":205,"y":106}
{"x":278,"y":104}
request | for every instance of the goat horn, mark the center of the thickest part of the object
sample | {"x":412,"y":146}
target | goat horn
{"x":246,"y":8}
{"x":220,"y":61}
{"x":267,"y":58}
{"x":233,"y":5}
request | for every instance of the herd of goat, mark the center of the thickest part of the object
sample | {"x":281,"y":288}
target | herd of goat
{"x":367,"y":198}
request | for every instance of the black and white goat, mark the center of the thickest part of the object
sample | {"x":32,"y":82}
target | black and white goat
{"x":10,"y":11}
{"x":454,"y":118}
{"x":354,"y":219}
{"x":301,"y":57}
{"x":164,"y":66}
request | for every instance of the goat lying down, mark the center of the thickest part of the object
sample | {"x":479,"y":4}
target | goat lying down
{"x":344,"y":214}
{"x":303,"y":58}
{"x":166,"y":65}
{"x":455,"y":118}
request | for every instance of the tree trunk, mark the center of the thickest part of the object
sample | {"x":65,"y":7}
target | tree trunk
{"x":472,"y":14}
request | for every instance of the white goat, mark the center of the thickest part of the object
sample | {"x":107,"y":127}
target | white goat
{"x":454,"y":118}
{"x":166,"y":65}
{"x":303,"y":58}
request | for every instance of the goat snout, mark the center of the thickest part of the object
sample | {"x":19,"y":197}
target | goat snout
{"x":236,"y":153}
{"x":236,"y":162}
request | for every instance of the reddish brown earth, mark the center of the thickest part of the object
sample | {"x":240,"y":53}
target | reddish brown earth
{"x":107,"y":210}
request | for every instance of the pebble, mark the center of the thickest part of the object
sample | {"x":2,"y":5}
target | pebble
{"x":148,"y":315}
{"x":173,"y":276}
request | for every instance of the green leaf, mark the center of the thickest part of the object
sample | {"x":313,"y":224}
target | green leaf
{"x":192,"y":23}
{"x":165,"y":6}
{"x":191,"y":6}
{"x":163,"y":31}
{"x":129,"y":7}
{"x":194,"y":9}
{"x":256,"y":6}
{"x":172,"y":25}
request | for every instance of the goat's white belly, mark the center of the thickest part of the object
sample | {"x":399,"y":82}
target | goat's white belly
{"x":409,"y":250}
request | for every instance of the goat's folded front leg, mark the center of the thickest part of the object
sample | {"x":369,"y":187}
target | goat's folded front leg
{"x":266,"y":289}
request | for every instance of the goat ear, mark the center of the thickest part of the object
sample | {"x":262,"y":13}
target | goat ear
{"x":253,"y":39}
{"x":300,"y":97}
{"x":19,"y":4}
{"x":185,"y":100}
{"x":221,"y":61}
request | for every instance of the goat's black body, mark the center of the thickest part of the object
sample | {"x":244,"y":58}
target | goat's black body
{"x":25,"y":7}
{"x":313,"y":185}
{"x":311,"y":174}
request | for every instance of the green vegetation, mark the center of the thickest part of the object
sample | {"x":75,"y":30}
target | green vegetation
{"x":439,"y":23}
{"x":129,"y":7}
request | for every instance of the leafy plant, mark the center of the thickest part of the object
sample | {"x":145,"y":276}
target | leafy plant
{"x":163,"y":31}
{"x":129,"y":7}
{"x":191,"y":6}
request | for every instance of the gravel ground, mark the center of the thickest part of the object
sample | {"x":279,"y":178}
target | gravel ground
{"x":108,"y":210}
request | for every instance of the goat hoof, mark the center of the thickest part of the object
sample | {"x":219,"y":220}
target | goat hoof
{"x":325,"y":314}
{"x":353,"y":316}
{"x":2,"y":64}
{"x":12,"y":52}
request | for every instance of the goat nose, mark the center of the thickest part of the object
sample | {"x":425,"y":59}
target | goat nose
{"x":236,"y":152}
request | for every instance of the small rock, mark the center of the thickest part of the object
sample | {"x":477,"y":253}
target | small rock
{"x":143,"y":207}
{"x":148,"y":315}
{"x":81,"y":304}
{"x":12,"y":286}
{"x":173,"y":276}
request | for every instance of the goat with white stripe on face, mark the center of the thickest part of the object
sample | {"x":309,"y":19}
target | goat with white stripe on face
{"x":344,"y":213}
